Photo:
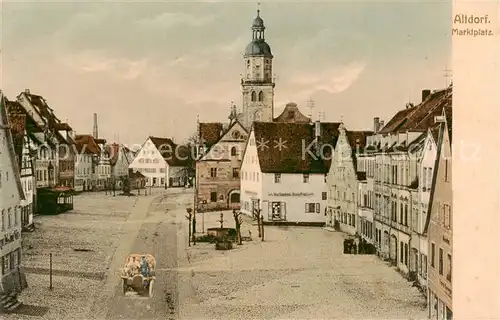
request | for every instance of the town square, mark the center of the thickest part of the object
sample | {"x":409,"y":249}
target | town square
{"x":188,"y":166}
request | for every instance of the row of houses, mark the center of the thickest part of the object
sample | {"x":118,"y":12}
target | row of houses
{"x":393,"y":189}
{"x":42,"y":162}
{"x":390,"y":186}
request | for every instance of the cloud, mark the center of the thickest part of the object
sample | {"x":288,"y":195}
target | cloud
{"x":95,"y":61}
{"x":173,"y":19}
{"x":333,"y":80}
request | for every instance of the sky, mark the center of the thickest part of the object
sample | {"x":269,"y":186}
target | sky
{"x":151,"y":68}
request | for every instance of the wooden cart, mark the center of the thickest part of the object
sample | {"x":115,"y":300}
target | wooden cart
{"x":138,"y":274}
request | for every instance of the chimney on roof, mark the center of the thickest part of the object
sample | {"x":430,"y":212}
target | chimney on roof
{"x":27,"y":91}
{"x":376,"y":124}
{"x":381,"y":124}
{"x":358,"y":144}
{"x":317,"y":129}
{"x":96,"y":136}
{"x":425,"y":94}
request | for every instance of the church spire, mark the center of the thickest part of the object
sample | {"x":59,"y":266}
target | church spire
{"x":258,"y":26}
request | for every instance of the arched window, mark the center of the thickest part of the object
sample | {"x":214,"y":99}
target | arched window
{"x":233,"y":151}
{"x":261,"y":96}
{"x":235,"y":197}
{"x":254,"y":96}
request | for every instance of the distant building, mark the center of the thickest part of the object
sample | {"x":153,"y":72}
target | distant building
{"x":218,"y":165}
{"x":119,"y":163}
{"x":11,"y":194}
{"x":163,"y":162}
{"x":343,"y":179}
{"x":86,"y":162}
{"x":439,"y":226}
{"x":284,"y":168}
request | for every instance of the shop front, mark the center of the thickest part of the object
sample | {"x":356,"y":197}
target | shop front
{"x":294,"y":207}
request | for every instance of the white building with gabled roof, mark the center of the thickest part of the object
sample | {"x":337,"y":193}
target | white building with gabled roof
{"x":283,"y":172}
{"x":164,"y":163}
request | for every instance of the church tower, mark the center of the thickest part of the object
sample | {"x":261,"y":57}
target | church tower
{"x":257,"y":83}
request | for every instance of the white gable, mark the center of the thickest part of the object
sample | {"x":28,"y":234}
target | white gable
{"x":235,"y":137}
{"x":250,"y":161}
{"x":148,"y":154}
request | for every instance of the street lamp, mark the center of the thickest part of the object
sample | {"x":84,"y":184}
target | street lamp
{"x":189,"y":218}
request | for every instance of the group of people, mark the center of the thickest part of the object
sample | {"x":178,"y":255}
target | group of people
{"x":135,"y":266}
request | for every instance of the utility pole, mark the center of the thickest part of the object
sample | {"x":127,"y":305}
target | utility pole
{"x":310,"y":105}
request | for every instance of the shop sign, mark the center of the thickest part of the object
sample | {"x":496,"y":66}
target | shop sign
{"x":290,"y":194}
{"x":251,"y":192}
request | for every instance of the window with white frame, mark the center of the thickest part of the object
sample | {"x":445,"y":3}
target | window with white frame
{"x":310,"y":207}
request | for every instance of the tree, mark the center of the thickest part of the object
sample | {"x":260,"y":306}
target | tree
{"x":238,"y":220}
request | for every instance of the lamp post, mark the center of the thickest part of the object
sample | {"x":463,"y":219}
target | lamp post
{"x":188,"y":217}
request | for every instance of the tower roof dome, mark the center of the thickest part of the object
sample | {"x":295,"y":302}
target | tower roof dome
{"x":258,"y":22}
{"x":258,"y":47}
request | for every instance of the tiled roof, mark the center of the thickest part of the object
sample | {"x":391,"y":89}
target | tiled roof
{"x":113,"y":151}
{"x":292,"y":114}
{"x":449,"y":119}
{"x":87,"y":141}
{"x":136,"y":174}
{"x":357,"y":141}
{"x":420,"y":117}
{"x":167,"y":149}
{"x":295,"y":137}
{"x":17,"y":120}
{"x":210,"y":132}
{"x":4,"y":120}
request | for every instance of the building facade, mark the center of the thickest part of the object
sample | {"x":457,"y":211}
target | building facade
{"x":163,"y":162}
{"x":25,"y":150}
{"x":395,"y":154}
{"x":422,"y":162}
{"x":279,"y":180}
{"x":119,"y":163}
{"x":86,"y":161}
{"x":257,"y":83}
{"x":440,"y":227}
{"x":56,"y":151}
{"x":343,"y":179}
{"x":11,"y":195}
{"x":218,"y":168}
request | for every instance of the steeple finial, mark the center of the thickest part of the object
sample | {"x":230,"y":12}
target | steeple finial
{"x":258,"y":8}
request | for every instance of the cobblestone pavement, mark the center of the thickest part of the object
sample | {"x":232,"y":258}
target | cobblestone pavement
{"x":296,"y":273}
{"x":88,"y":246}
